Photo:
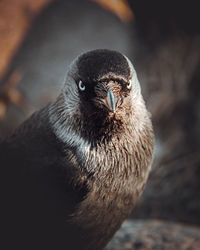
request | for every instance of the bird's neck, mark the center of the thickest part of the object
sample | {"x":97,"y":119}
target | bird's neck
{"x":116,"y":174}
{"x":93,"y":137}
{"x":77,"y":130}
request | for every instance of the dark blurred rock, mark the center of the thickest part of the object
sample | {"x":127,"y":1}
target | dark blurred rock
{"x":158,"y":20}
{"x":170,"y":77}
{"x":155,"y":235}
{"x":168,"y":66}
{"x":172,"y":191}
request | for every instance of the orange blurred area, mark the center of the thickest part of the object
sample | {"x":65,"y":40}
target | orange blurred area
{"x":118,"y":7}
{"x":15,"y":19}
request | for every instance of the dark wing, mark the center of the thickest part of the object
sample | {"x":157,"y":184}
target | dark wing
{"x":38,"y":190}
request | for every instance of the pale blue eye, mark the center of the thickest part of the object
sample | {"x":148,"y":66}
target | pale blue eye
{"x":129,"y":85}
{"x":81,"y":85}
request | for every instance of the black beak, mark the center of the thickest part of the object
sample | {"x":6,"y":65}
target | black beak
{"x":111,"y":101}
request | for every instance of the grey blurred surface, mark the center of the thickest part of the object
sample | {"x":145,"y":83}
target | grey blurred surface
{"x":154,"y":234}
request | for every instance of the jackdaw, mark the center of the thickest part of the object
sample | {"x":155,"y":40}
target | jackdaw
{"x":73,"y":171}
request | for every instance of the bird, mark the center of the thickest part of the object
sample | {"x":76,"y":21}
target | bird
{"x":72,"y":172}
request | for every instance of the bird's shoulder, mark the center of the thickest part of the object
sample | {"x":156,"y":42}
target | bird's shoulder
{"x":34,"y":161}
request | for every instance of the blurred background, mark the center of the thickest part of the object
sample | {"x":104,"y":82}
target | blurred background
{"x":39,"y":39}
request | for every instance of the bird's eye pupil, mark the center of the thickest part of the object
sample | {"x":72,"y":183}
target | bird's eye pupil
{"x":81,"y":85}
{"x":129,"y":85}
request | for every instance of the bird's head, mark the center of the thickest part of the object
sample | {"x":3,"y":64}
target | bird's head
{"x":102,"y":87}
